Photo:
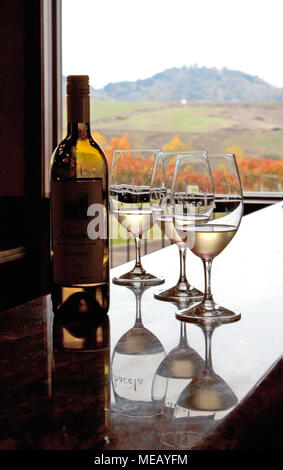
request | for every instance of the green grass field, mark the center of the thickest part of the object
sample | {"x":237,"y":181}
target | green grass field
{"x":110,"y":109}
{"x":155,"y":117}
{"x":263,"y":144}
{"x":255,"y":127}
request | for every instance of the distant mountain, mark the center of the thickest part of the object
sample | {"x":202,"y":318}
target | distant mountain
{"x":193,"y":84}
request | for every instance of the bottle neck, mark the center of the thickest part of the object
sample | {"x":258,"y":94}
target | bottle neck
{"x":78,"y":109}
{"x":79,"y":130}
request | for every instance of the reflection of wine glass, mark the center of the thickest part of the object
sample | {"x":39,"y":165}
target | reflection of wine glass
{"x":129,"y":198}
{"x":162,"y":210}
{"x":208,"y":239}
{"x":207,"y":394}
{"x":135,"y":359}
{"x":177,"y":368}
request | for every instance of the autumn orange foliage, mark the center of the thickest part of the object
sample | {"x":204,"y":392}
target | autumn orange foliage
{"x":177,"y":144}
{"x":116,"y":143}
{"x":261,"y":174}
{"x":257,"y":173}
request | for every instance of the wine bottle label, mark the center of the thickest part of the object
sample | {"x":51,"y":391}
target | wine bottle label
{"x":78,"y":229}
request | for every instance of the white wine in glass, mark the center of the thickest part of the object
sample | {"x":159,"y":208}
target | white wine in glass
{"x":130,"y":208}
{"x":130,"y":178}
{"x":209,"y":239}
{"x":161,"y":199}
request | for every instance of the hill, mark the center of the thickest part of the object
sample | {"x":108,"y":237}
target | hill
{"x":198,"y":84}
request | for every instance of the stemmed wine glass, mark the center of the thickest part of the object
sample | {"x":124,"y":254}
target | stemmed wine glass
{"x":207,"y":238}
{"x":130,"y":179}
{"x":203,"y":398}
{"x":176,"y":370}
{"x":135,"y":358}
{"x":162,"y":209}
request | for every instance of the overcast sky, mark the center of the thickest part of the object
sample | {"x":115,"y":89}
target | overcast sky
{"x":114,"y":40}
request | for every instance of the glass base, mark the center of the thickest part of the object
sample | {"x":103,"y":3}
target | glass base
{"x":133,"y":277}
{"x":179,"y":295}
{"x":187,"y":439}
{"x":207,"y":311}
{"x":134,"y":409}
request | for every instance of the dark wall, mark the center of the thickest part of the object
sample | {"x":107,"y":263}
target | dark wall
{"x":12,"y":109}
{"x":24,"y":212}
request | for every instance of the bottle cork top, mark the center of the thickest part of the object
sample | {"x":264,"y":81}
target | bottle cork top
{"x":77,"y":85}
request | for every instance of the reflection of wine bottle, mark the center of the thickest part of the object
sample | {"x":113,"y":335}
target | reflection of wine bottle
{"x":80,"y":381}
{"x":79,"y":206}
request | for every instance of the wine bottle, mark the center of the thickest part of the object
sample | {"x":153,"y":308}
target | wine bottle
{"x":79,"y":209}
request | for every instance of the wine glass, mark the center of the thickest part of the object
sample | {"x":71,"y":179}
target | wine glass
{"x":135,"y":359}
{"x":208,"y":238}
{"x":201,"y":404}
{"x":180,"y":365}
{"x":129,"y":199}
{"x":162,"y":209}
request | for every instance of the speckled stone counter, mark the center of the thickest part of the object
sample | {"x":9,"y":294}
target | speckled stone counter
{"x":120,"y":383}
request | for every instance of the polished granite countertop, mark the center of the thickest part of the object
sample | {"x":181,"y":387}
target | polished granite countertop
{"x":140,"y":378}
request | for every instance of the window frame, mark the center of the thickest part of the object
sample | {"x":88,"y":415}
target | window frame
{"x":51,"y":51}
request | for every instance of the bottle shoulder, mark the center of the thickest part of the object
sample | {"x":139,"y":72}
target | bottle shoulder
{"x":98,"y":147}
{"x":75,"y":157}
{"x":74,"y":145}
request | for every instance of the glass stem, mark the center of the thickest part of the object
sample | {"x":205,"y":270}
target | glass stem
{"x":183,"y":335}
{"x":207,"y":263}
{"x":138,"y":265}
{"x":138,"y":309}
{"x":208,"y":336}
{"x":182,"y":282}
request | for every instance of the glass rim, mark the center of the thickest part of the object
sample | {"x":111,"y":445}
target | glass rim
{"x":233,"y":156}
{"x":136,"y":150}
{"x":201,"y":154}
{"x":183,"y":152}
{"x":220,"y":154}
